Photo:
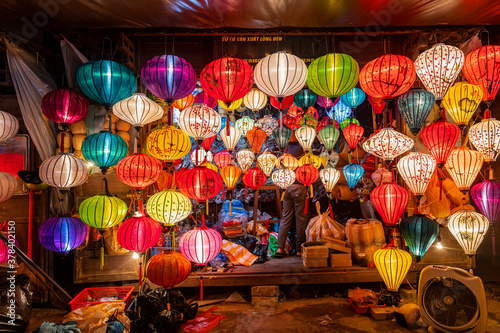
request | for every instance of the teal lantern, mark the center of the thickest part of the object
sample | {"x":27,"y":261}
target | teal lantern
{"x":348,"y":121}
{"x":353,"y":173}
{"x":419,"y":232}
{"x":104,"y":149}
{"x":305,"y":98}
{"x":106,"y":82}
{"x":415,"y":106}
{"x":353,"y":98}
{"x":328,"y":136}
{"x":282,"y":135}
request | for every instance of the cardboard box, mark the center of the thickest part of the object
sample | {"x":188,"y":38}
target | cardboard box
{"x":318,"y":262}
{"x":338,"y":247}
{"x":385,"y":313}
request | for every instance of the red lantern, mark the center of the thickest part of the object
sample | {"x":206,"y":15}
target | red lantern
{"x":291,"y":121}
{"x":440,"y":138}
{"x":285,"y":104}
{"x":139,"y":170}
{"x":65,"y":106}
{"x":223,"y":159}
{"x":307,"y":175}
{"x":390,"y":200}
{"x":208,"y":142}
{"x":139,"y":233}
{"x":200,"y":183}
{"x":352,"y":134}
{"x":482,"y":68}
{"x":166,"y":181}
{"x":254,"y":178}
{"x":387,"y":76}
{"x":168,"y":269}
{"x":256,"y":137}
{"x":202,"y":98}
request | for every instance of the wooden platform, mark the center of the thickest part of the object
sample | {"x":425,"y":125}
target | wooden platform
{"x":285,"y":271}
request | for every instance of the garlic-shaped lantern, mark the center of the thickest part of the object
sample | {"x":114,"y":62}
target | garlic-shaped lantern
{"x":469,"y":229}
{"x":329,"y":177}
{"x":266,"y":162}
{"x":485,"y":137}
{"x":417,"y":170}
{"x":138,"y":110}
{"x":463,"y":165}
{"x":388,"y":144}
{"x":267,"y":124}
{"x":244,"y":124}
{"x":305,"y":136}
{"x":231,"y":139}
{"x":245,"y":158}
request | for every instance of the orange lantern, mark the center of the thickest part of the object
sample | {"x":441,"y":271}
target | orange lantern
{"x":184,"y":103}
{"x":167,"y":269}
{"x":230,"y":175}
{"x":256,"y":137}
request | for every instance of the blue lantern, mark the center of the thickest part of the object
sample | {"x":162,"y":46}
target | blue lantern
{"x":415,"y":105}
{"x":106,"y":81}
{"x":62,"y":234}
{"x":419,"y":232}
{"x":305,"y":98}
{"x":353,"y":98}
{"x":104,"y":149}
{"x":340,"y":111}
{"x":353,"y":173}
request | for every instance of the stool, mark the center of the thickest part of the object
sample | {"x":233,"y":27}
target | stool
{"x":256,"y":203}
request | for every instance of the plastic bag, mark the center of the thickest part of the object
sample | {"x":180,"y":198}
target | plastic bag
{"x":252,"y":244}
{"x":237,"y":254}
{"x":273,"y":245}
{"x":322,"y":226}
{"x":260,"y":230}
{"x":93,"y":319}
{"x":16,"y":319}
{"x":69,"y":327}
{"x":364,"y":296}
{"x":238,"y":218}
{"x":203,"y":323}
{"x":219,"y":261}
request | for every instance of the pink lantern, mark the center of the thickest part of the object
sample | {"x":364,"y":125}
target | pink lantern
{"x":223,"y":159}
{"x":381,"y":176}
{"x":200,"y":245}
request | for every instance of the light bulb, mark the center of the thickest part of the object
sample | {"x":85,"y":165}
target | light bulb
{"x":135,"y":256}
{"x":438,"y":244}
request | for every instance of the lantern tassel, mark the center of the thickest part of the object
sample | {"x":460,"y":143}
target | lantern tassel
{"x":283,"y":195}
{"x":203,"y":225}
{"x":201,"y":288}
{"x":331,"y":211}
{"x":173,"y":240}
{"x":305,"y":207}
{"x":30,"y":226}
{"x":140,"y":274}
{"x":230,"y":208}
{"x":493,"y":243}
{"x":101,"y":258}
{"x":311,"y":188}
{"x":246,"y":190}
{"x":207,"y":207}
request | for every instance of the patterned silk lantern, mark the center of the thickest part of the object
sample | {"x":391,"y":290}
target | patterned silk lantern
{"x":282,"y":136}
{"x":254,"y":178}
{"x":388,"y":144}
{"x":415,"y":106}
{"x":485,"y":137}
{"x":168,"y":207}
{"x":256,"y":138}
{"x":390,"y":200}
{"x":65,"y":106}
{"x":305,"y":136}
{"x":8,"y":184}
{"x":202,"y":98}
{"x":139,"y":170}
{"x":201,"y":244}
{"x":168,"y":143}
{"x":266,"y":162}
{"x":311,"y":159}
{"x":223,"y":158}
{"x":200,"y":183}
{"x":353,"y":133}
{"x":305,"y":98}
{"x":138,"y":110}
{"x":419,"y":233}
{"x":230,"y":175}
{"x":139,"y":233}
{"x":392,"y":264}
{"x":328,"y":136}
{"x":340,"y":112}
{"x":387,"y":76}
{"x":63,"y":171}
{"x":267,"y":124}
{"x":184,"y":103}
{"x":169,"y":77}
{"x":307,"y":175}
{"x":245,"y":158}
{"x":461,"y":101}
{"x":463,"y":165}
{"x":333,"y":74}
{"x":440,"y":138}
{"x":329,"y":177}
{"x":353,"y":98}
{"x":62,"y":234}
{"x":287,"y":161}
{"x":417,"y":170}
{"x":200,"y":156}
{"x":469,"y":229}
{"x":200,"y":122}
{"x":283,"y":178}
{"x":482,"y":68}
{"x":438,"y":68}
{"x":9,"y":125}
{"x":230,"y":139}
{"x":244,"y":124}
{"x":353,"y":173}
{"x":486,"y":196}
{"x":102,"y":211}
{"x":255,"y":100}
{"x":381,"y":176}
{"x":168,"y":269}
{"x":104,"y":149}
{"x":106,"y":81}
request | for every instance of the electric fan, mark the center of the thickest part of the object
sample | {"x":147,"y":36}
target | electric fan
{"x":452,"y":300}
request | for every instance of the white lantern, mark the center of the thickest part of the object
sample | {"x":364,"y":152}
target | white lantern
{"x":8,"y":126}
{"x":267,"y":161}
{"x":280,"y":74}
{"x":485,"y":137}
{"x":439,"y":67}
{"x":388,"y":144}
{"x":267,"y":124}
{"x":8,"y":185}
{"x":469,"y":229}
{"x":203,"y":156}
{"x":245,"y":158}
{"x":283,"y":178}
{"x":305,"y":136}
{"x":244,"y":124}
{"x":464,"y":164}
{"x":63,"y":171}
{"x":329,"y":177}
{"x":200,"y":122}
{"x":417,"y":170}
{"x":231,"y":139}
{"x":255,"y":100}
{"x":138,"y":110}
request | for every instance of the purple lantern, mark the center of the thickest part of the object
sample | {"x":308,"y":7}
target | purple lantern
{"x":202,"y":98}
{"x":326,"y":102}
{"x":169,"y":77}
{"x":486,"y":196}
{"x":62,"y":234}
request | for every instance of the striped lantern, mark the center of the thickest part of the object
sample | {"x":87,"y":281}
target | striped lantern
{"x":139,"y":233}
{"x":353,"y":133}
{"x":230,"y":137}
{"x":282,"y":136}
{"x":485,"y":137}
{"x":305,"y":98}
{"x":266,"y":162}
{"x":184,"y":102}
{"x":244,"y":124}
{"x":104,"y":149}
{"x":230,"y":175}
{"x":102,"y":211}
{"x":245,"y":158}
{"x":287,"y":161}
{"x":353,"y":173}
{"x":138,"y":110}
{"x":390,"y":200}
{"x":415,"y":106}
{"x":392,"y":264}
{"x":328,"y":136}
{"x":255,"y":100}
{"x":353,"y":98}
{"x":63,"y":171}
{"x":417,"y":170}
{"x":463,"y":165}
{"x":482,"y":68}
{"x":199,"y":122}
{"x":200,"y":245}
{"x":267,"y":124}
{"x":305,"y":136}
{"x":9,"y":125}
{"x":62,"y":234}
{"x":462,"y":101}
{"x":168,"y":206}
{"x":8,"y":184}
{"x":202,"y":98}
{"x":65,"y":106}
{"x":340,"y":112}
{"x":168,"y":269}
{"x":139,"y":170}
{"x":440,"y":138}
{"x":200,"y":156}
{"x":388,"y":144}
{"x":223,"y":159}
{"x":486,"y":196}
{"x":283,"y":178}
{"x":254,"y":178}
{"x":419,"y":233}
{"x":168,"y":143}
{"x":256,"y":138}
{"x":200,"y":183}
{"x":329,"y":177}
{"x":469,"y":229}
{"x":307,"y":174}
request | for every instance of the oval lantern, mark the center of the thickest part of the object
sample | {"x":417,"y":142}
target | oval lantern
{"x":440,"y":138}
{"x":62,"y":234}
{"x":267,"y":124}
{"x":168,"y":207}
{"x":282,"y":136}
{"x":486,"y":196}
{"x":390,"y":200}
{"x":266,"y":162}
{"x":353,"y":133}
{"x":381,"y":176}
{"x":305,"y":98}
{"x":392,"y":264}
{"x":102,"y":211}
{"x":283,"y":178}
{"x":104,"y":149}
{"x":339,"y":112}
{"x":244,"y":124}
{"x":230,"y":175}
{"x":462,"y":101}
{"x":200,"y":183}
{"x":415,"y":106}
{"x":184,"y":102}
{"x":65,"y":106}
{"x":328,"y":136}
{"x":106,"y":81}
{"x":200,"y":245}
{"x":463,"y":165}
{"x":353,"y":173}
{"x":305,"y":136}
{"x":353,"y":98}
{"x":199,"y":122}
{"x":255,"y":100}
{"x":63,"y":171}
{"x":469,"y":229}
{"x":245,"y":158}
{"x":419,"y":233}
{"x":168,"y":143}
{"x":223,"y":158}
{"x":169,"y":77}
{"x":482,"y":68}
{"x":200,"y":156}
{"x":202,"y":98}
{"x":9,"y":125}
{"x":254,"y":178}
{"x":285,"y":104}
{"x":138,"y":110}
{"x":168,"y":269}
{"x":8,"y":184}
{"x":329,"y":177}
{"x":256,"y":138}
{"x":139,"y":170}
{"x":230,"y":137}
{"x":287,"y":161}
{"x":485,"y":137}
{"x":388,"y":144}
{"x":139,"y":233}
{"x":417,"y":170}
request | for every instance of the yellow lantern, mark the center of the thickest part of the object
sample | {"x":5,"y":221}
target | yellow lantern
{"x":233,"y":106}
{"x":245,"y":158}
{"x":329,"y":177}
{"x":168,"y":143}
{"x":305,"y":136}
{"x":210,"y":166}
{"x":310,"y":159}
{"x":231,"y":139}
{"x":461,"y":101}
{"x":266,"y":162}
{"x":464,"y":164}
{"x":230,"y":175}
{"x":287,"y":161}
{"x":255,"y":100}
{"x":168,"y":207}
{"x":392,"y":264}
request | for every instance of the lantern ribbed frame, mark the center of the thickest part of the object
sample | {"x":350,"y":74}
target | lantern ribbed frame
{"x":392,"y":264}
{"x":419,"y":233}
{"x":203,"y":156}
{"x":329,"y":177}
{"x":230,"y":175}
{"x":65,"y":106}
{"x":387,"y":76}
{"x":485,"y":137}
{"x":138,"y":110}
{"x":440,"y":138}
{"x":283,"y":178}
{"x":486,"y":196}
{"x":353,"y":133}
{"x":244,"y":124}
{"x":390,"y":200}
{"x":168,"y":143}
{"x":305,"y":136}
{"x":199,"y":122}
{"x":353,"y":98}
{"x":245,"y":158}
{"x":381,"y":175}
{"x":267,"y":162}
{"x":310,"y":159}
{"x":104,"y":149}
{"x":139,"y":170}
{"x":139,"y":233}
{"x":305,"y":98}
{"x":340,"y":112}
{"x":200,"y":245}
{"x":388,"y":144}
{"x":415,"y":106}
{"x":9,"y":125}
{"x":353,"y":173}
{"x":329,"y":136}
{"x":63,"y":171}
{"x":417,"y":170}
{"x":169,"y":77}
{"x":287,"y":161}
{"x":267,"y":124}
{"x":256,"y":138}
{"x":469,"y":229}
{"x":462,"y":101}
{"x":463,"y":165}
{"x":183,"y":103}
{"x":106,"y":81}
{"x":167,"y":269}
{"x":8,"y":184}
{"x":307,"y":174}
{"x":169,"y":207}
{"x":280,"y":74}
{"x":203,"y":98}
{"x":255,"y":100}
{"x":439,"y":67}
{"x":254,"y":178}
{"x":282,"y":136}
{"x":102,"y":211}
{"x":200,"y":183}
{"x":231,"y":140}
{"x":482,"y":68}
{"x":62,"y":234}
{"x":222,"y":159}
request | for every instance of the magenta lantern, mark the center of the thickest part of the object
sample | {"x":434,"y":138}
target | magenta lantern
{"x":200,"y":245}
{"x":65,"y":106}
{"x":486,"y":196}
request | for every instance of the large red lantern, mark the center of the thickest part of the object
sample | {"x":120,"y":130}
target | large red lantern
{"x":390,"y":200}
{"x":254,"y":178}
{"x":139,"y":233}
{"x":482,"y":68}
{"x":352,"y":134}
{"x":139,"y":170}
{"x":167,"y":269}
{"x":256,"y":137}
{"x":440,"y":138}
{"x":200,"y":183}
{"x":65,"y":106}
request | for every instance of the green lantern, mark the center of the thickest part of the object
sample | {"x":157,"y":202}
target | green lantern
{"x":419,"y":232}
{"x":282,"y":135}
{"x":102,"y":211}
{"x":348,"y":121}
{"x":305,"y":98}
{"x":329,"y":136}
{"x":333,"y":75}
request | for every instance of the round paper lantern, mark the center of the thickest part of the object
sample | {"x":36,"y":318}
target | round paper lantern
{"x":353,"y":98}
{"x":266,"y":162}
{"x":463,"y":165}
{"x":63,"y":171}
{"x":283,"y":178}
{"x":223,"y":159}
{"x":227,"y":79}
{"x":486,"y":196}
{"x":168,"y":269}
{"x":208,"y":142}
{"x":280,"y":74}
{"x":415,"y":106}
{"x":9,"y":125}
{"x":353,"y":173}
{"x":388,"y":144}
{"x":285,"y":104}
{"x":254,"y":178}
{"x":328,"y":136}
{"x":390,"y":200}
{"x":230,"y":175}
{"x":378,"y":104}
{"x":461,"y":101}
{"x":438,"y":68}
{"x":339,"y":112}
{"x":106,"y":81}
{"x":168,"y":77}
{"x":8,"y":184}
{"x":305,"y":136}
{"x":168,"y":206}
{"x":200,"y":122}
{"x":310,"y":159}
{"x":353,"y":133}
{"x":202,"y":98}
{"x":245,"y":158}
{"x":168,"y":143}
{"x":267,"y":124}
{"x":419,"y":233}
{"x":282,"y":136}
{"x":482,"y":68}
{"x":138,"y":110}
{"x":102,"y":211}
{"x":329,"y":177}
{"x":139,"y":233}
{"x":333,"y":74}
{"x":256,"y":138}
{"x":440,"y":138}
{"x":230,"y":106}
{"x":200,"y":245}
{"x":381,"y":176}
{"x":387,"y":76}
{"x":62,"y":234}
{"x":244,"y":124}
{"x":485,"y":137}
{"x":184,"y":102}
{"x":139,"y":170}
{"x":230,"y":139}
{"x":200,"y":183}
{"x":417,"y":170}
{"x":200,"y":156}
{"x":469,"y":229}
{"x":392,"y":264}
{"x":104,"y":149}
{"x":305,"y":98}
{"x":307,"y":174}
{"x":65,"y":106}
{"x":255,"y":100}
